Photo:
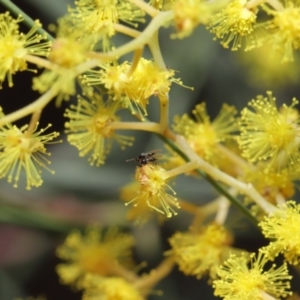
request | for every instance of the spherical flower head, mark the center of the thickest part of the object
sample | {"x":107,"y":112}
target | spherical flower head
{"x":153,"y":190}
{"x":198,"y":253}
{"x":202,"y":134}
{"x":112,"y":288}
{"x":270,"y":134}
{"x":89,"y":128}
{"x":99,"y":16}
{"x":24,"y":152}
{"x":188,"y":14}
{"x":234,"y":24}
{"x":139,"y":214}
{"x":66,"y":53}
{"x":282,"y":227}
{"x":284,"y":29}
{"x":149,"y":80}
{"x":116,"y":79}
{"x":238,"y":280}
{"x":133,"y":90}
{"x":262,"y":68}
{"x":162,"y":4}
{"x":94,"y":252}
{"x":15,"y":46}
{"x":270,"y":182}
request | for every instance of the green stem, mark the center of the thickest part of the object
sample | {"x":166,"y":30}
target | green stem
{"x":24,"y":217}
{"x":216,"y":185}
{"x":158,"y":21}
{"x":27,"y":20}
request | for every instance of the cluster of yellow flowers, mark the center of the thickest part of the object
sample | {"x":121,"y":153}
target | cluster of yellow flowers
{"x":254,"y":155}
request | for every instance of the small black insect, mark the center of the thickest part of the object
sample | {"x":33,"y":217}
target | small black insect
{"x":145,"y":158}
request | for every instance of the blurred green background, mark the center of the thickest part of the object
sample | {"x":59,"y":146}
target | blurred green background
{"x":34,"y":222}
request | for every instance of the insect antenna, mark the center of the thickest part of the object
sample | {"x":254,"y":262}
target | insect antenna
{"x":131,"y":159}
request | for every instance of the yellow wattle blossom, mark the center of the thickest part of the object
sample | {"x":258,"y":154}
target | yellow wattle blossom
{"x":66,"y":53}
{"x":14,"y":46}
{"x":273,"y":184}
{"x":204,"y":135}
{"x":21,"y":151}
{"x":152,"y":193}
{"x":162,"y":4}
{"x":262,"y":68}
{"x":240,"y":280}
{"x":284,"y":29}
{"x":133,"y":90}
{"x":112,"y":288}
{"x":99,"y":16}
{"x":97,"y":252}
{"x":188,"y":14}
{"x":282,"y":227}
{"x":198,"y":253}
{"x":268,"y":133}
{"x":139,"y":214}
{"x":234,"y":25}
{"x":89,"y":128}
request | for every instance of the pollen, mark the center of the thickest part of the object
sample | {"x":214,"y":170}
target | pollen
{"x":89,"y":128}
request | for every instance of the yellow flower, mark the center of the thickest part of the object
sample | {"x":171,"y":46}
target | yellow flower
{"x":66,"y":53}
{"x":284,"y":29}
{"x":100,"y":16}
{"x":239,"y":281}
{"x":262,"y":68}
{"x":139,"y":214}
{"x":269,"y":133}
{"x":14,"y":46}
{"x":96,"y":252}
{"x":152,"y":192}
{"x":188,"y":14}
{"x":89,"y":128}
{"x":162,"y":4}
{"x":204,"y":135}
{"x":21,"y":151}
{"x":197,"y":253}
{"x":282,"y":227}
{"x":234,"y":25}
{"x":270,"y":182}
{"x":113,"y":288}
{"x":133,"y":90}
